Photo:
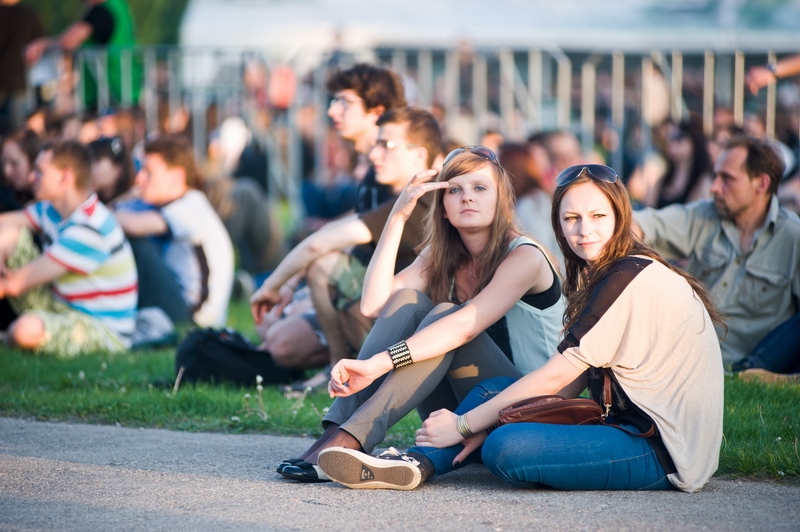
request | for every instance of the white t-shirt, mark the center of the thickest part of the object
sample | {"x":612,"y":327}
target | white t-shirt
{"x":200,"y":253}
{"x":645,"y":322}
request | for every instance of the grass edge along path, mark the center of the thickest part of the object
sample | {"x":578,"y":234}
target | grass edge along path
{"x":761,"y":424}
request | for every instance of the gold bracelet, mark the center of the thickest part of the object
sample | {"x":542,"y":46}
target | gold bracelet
{"x":463,"y":426}
{"x":401,"y":356}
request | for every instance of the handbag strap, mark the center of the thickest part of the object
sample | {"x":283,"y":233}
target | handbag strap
{"x":607,"y":402}
{"x":606,"y":394}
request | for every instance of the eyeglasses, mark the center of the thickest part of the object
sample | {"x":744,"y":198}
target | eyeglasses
{"x":390,"y":144}
{"x":598,"y":172}
{"x":344,"y":101}
{"x":480,"y":151}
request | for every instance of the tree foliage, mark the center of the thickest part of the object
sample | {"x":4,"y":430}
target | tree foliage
{"x":157,"y":21}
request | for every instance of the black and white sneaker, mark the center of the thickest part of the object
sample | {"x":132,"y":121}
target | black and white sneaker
{"x":390,"y":470}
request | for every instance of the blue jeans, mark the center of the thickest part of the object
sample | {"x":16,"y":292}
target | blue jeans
{"x":567,"y":457}
{"x":778,"y":351}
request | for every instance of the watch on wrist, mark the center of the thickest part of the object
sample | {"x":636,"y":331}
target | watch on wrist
{"x":773,"y":67}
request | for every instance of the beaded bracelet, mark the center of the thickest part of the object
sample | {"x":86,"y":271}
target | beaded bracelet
{"x":463,"y":426}
{"x":401,"y":356}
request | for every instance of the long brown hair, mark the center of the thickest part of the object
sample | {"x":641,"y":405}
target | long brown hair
{"x":446,"y":250}
{"x":582,"y":277}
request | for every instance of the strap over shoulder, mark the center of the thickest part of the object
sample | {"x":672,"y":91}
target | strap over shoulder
{"x":522,"y":240}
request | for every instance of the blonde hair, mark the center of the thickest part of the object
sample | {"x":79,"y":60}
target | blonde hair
{"x":446,"y":250}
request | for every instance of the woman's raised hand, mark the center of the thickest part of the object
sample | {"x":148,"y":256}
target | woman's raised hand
{"x":419,"y":185}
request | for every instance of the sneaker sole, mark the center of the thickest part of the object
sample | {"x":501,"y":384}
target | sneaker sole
{"x":357,"y":470}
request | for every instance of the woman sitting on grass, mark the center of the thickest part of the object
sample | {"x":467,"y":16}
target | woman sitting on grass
{"x":480,"y":274}
{"x":628,"y":311}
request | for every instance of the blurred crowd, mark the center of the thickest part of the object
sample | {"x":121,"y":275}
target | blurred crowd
{"x":229,"y":184}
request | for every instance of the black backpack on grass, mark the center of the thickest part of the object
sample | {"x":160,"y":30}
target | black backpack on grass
{"x":225,"y":355}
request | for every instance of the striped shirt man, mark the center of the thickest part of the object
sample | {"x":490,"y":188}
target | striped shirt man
{"x":101,"y":280}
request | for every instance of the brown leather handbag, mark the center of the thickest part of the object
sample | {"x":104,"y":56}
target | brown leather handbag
{"x":553,"y":409}
{"x":556,"y":410}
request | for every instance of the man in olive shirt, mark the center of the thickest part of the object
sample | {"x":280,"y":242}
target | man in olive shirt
{"x":746,"y":249}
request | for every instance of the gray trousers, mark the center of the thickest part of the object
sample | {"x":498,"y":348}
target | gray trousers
{"x":440,"y":382}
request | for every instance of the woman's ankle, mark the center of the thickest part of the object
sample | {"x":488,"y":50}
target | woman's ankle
{"x":340,"y":438}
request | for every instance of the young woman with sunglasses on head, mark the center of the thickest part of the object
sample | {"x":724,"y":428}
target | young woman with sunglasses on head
{"x":481,"y":300}
{"x":629,"y":313}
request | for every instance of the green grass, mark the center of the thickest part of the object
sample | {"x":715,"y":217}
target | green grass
{"x":761,"y":425}
{"x":135,"y":390}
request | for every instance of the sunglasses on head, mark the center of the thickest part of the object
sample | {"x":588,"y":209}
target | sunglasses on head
{"x":598,"y":172}
{"x":480,"y":151}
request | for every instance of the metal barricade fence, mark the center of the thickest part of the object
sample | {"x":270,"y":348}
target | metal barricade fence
{"x":515,"y":92}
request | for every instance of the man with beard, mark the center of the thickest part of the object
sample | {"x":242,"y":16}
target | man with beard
{"x":745,"y":247}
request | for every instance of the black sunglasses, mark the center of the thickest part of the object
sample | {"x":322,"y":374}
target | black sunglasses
{"x":480,"y":151}
{"x":598,"y":172}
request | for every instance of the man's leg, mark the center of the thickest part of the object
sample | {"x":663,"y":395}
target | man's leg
{"x":293,"y":343}
{"x":318,"y":277}
{"x":778,"y":351}
{"x":355,"y":326}
{"x":158,"y":285}
{"x":38,"y":297}
{"x":63,"y":332}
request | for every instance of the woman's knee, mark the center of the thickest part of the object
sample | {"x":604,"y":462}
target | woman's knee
{"x":438,"y":312}
{"x":491,"y":387}
{"x":406,"y":301}
{"x":499,"y":452}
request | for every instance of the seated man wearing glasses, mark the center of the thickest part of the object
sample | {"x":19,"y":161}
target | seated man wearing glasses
{"x":409,"y":141}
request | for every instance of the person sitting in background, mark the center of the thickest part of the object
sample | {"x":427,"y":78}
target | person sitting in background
{"x":533,"y":202}
{"x":688,"y":175}
{"x":630,"y":317}
{"x":481,"y":300}
{"x":19,"y":153}
{"x":334,"y":258}
{"x":242,"y":204}
{"x":677,"y":170}
{"x":112,"y":170}
{"x":361,"y":94}
{"x":187,"y":269}
{"x":92,"y":303}
{"x":745,"y":248}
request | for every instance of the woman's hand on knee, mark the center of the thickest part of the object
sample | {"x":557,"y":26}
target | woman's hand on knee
{"x":439,"y":430}
{"x":351,"y":376}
